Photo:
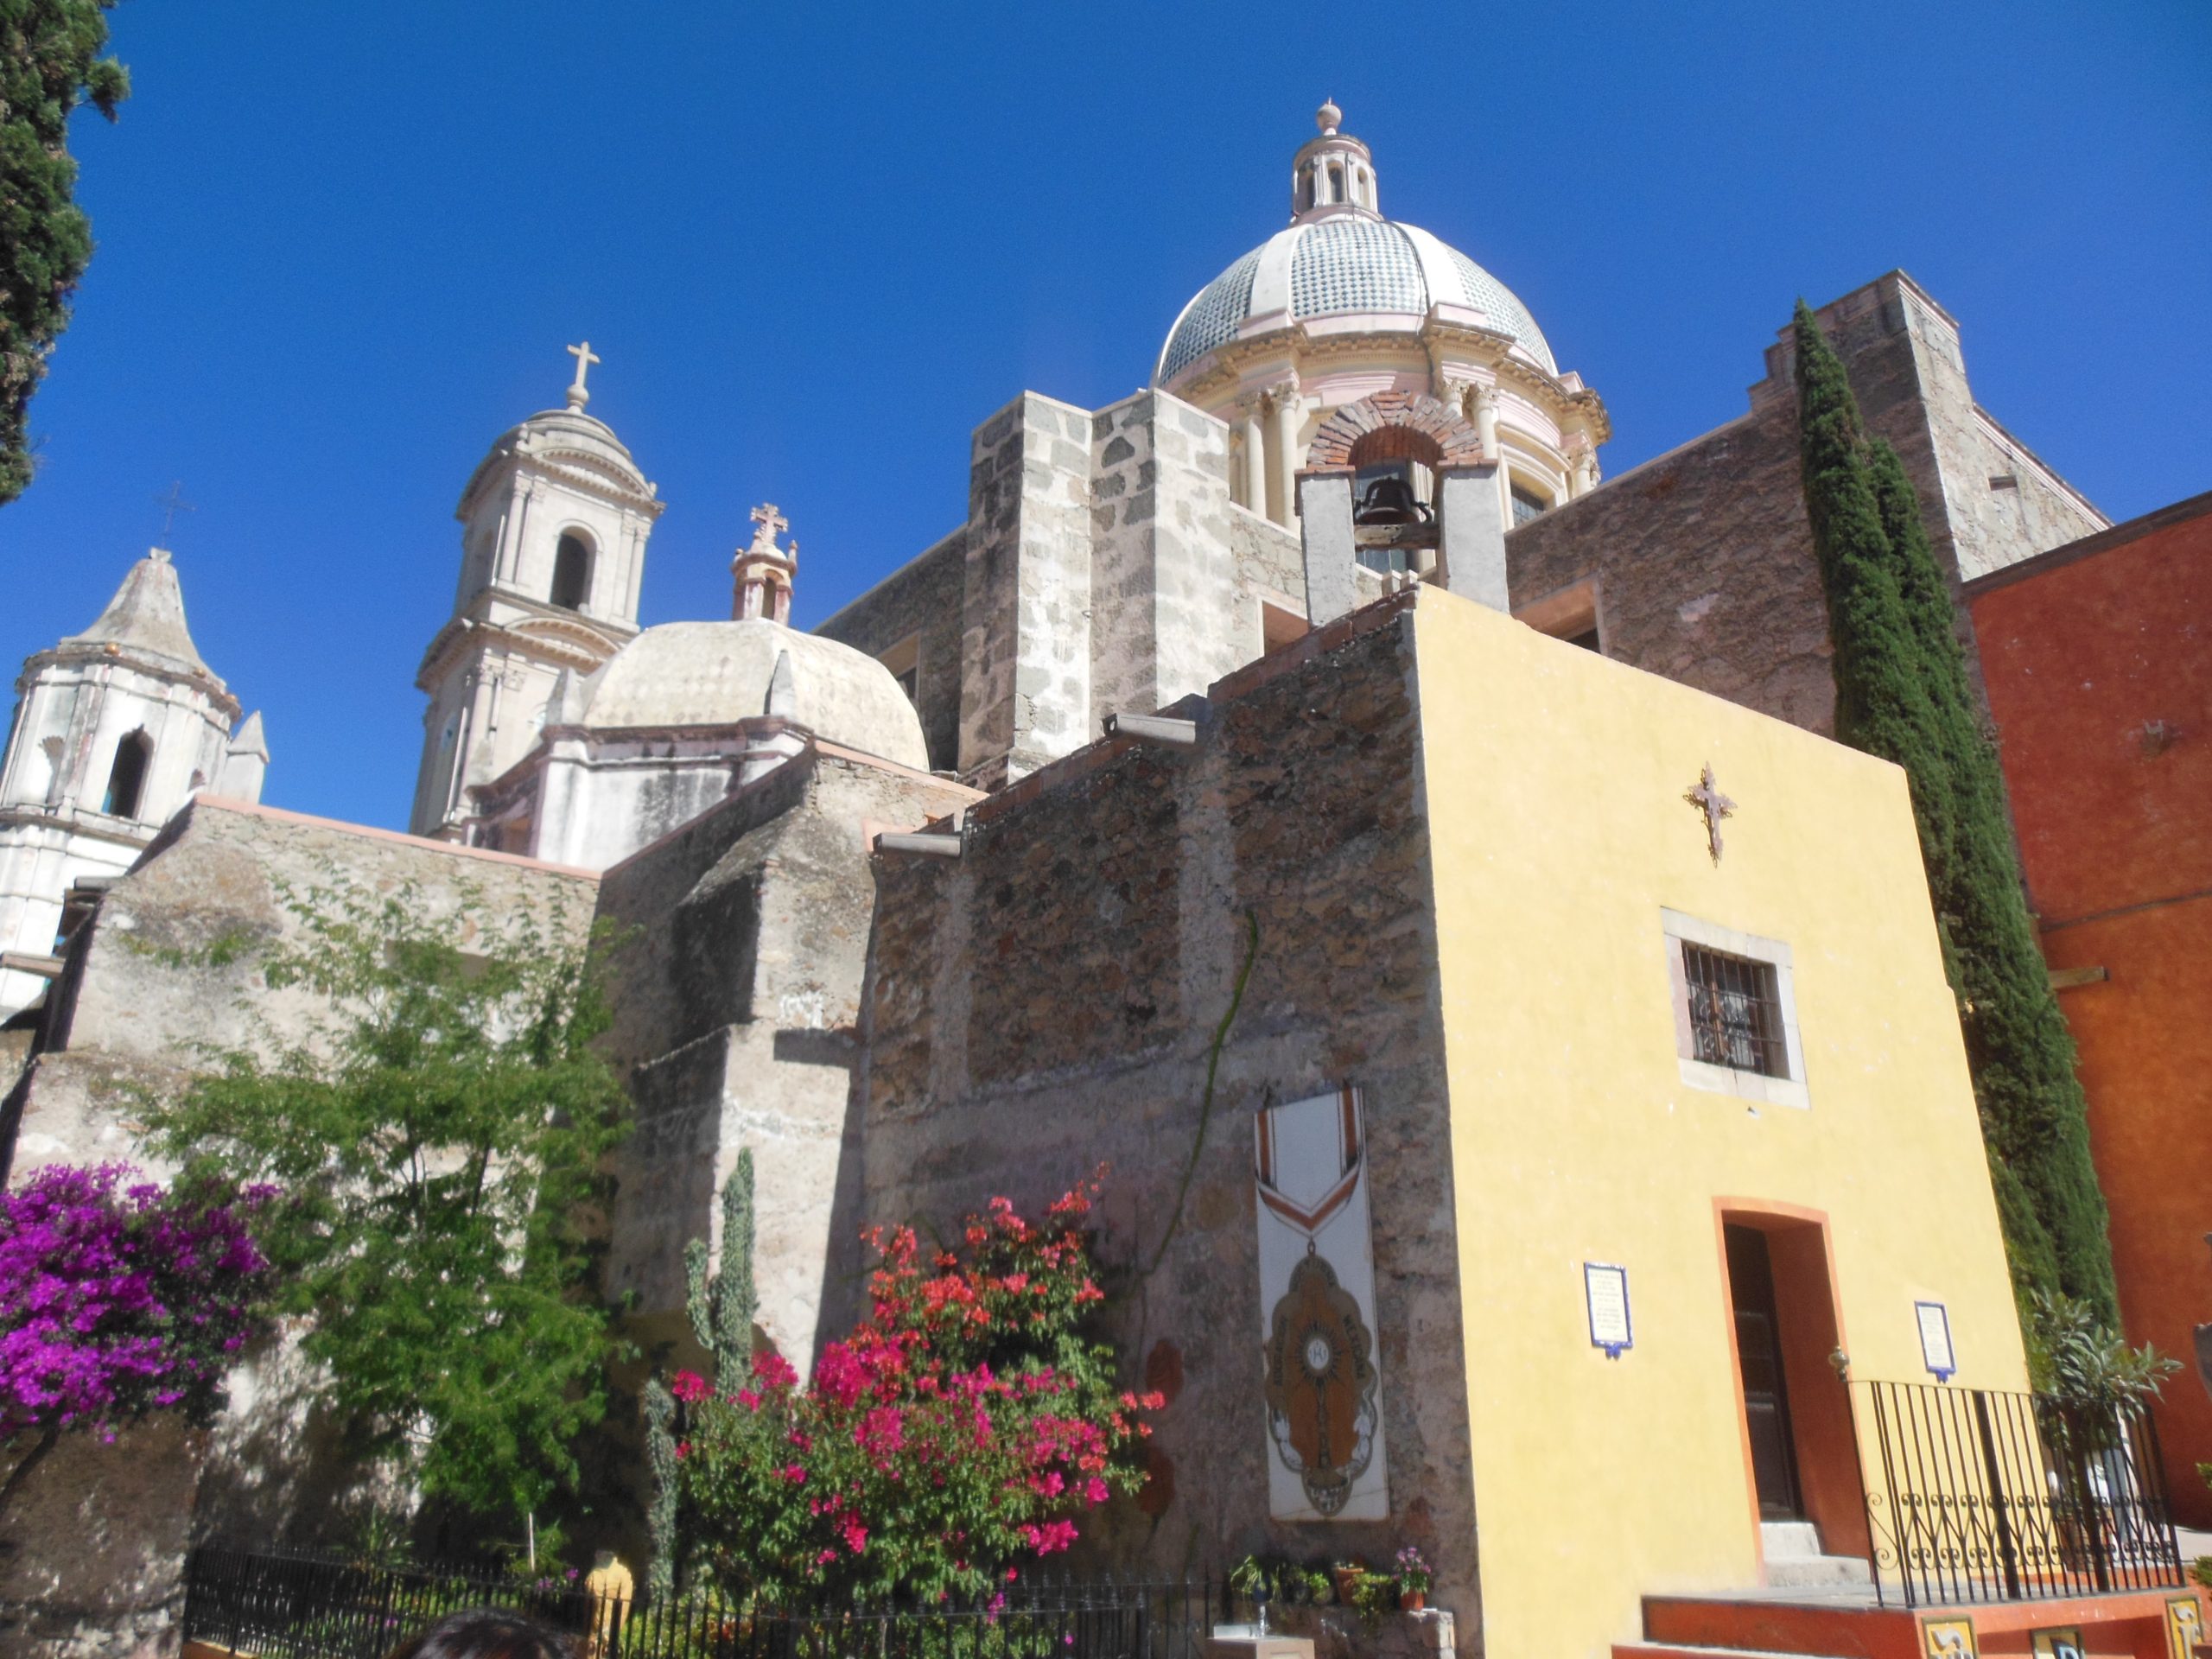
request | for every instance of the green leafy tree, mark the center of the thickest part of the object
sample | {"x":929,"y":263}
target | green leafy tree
{"x":438,"y":1145}
{"x":1902,"y":693}
{"x":49,"y":61}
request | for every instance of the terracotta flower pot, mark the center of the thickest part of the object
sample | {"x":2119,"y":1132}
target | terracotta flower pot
{"x":1413,"y":1600}
{"x":1347,"y":1579}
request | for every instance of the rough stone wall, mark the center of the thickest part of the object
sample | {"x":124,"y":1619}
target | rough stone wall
{"x":1024,"y":696}
{"x":1169,"y":616}
{"x":100,"y":1532}
{"x":1047,"y":1001}
{"x":1269,"y":561}
{"x":140,"y":1000}
{"x":741,"y":944}
{"x":1703,"y":558}
{"x":737,"y":981}
{"x":922,"y":597}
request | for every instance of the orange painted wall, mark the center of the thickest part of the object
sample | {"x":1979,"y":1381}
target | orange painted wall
{"x":2089,"y":652}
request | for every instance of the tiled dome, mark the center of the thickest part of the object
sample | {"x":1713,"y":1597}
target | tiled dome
{"x":1351,"y":264}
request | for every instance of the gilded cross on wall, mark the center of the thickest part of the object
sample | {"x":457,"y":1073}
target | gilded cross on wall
{"x":1716,"y":806}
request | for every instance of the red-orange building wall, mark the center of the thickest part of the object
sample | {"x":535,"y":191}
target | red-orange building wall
{"x":2098,"y":658}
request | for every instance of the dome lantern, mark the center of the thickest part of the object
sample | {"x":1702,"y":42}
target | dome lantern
{"x":1333,"y":175}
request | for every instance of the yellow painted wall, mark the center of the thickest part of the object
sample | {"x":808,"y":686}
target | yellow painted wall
{"x":1555,"y":783}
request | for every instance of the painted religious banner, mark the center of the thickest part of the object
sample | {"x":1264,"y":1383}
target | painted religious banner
{"x":1317,"y":1312}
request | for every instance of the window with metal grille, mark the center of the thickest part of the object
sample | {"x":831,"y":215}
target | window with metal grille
{"x":1735,"y":1007}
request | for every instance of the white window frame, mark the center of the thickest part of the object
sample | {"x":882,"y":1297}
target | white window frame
{"x":1757,"y":1086}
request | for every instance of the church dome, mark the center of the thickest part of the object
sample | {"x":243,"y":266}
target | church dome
{"x":694,"y":674}
{"x":1341,"y":257}
{"x":1337,"y":266}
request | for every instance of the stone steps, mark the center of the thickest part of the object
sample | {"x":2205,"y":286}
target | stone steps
{"x":1794,"y":1560}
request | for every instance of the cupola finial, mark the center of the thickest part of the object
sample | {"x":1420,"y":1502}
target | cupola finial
{"x":763,"y":571}
{"x":585,"y":357}
{"x":1333,"y":174}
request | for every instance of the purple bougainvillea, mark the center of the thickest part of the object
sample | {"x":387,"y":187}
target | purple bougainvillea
{"x":120,"y":1299}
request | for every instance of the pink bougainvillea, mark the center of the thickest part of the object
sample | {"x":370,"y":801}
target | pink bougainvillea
{"x":964,"y":1426}
{"x":120,"y":1299}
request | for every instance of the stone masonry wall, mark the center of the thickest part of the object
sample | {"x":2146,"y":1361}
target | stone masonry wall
{"x":1703,"y":558}
{"x":1168,"y":615}
{"x":1047,"y":1002}
{"x":736,"y":990}
{"x":922,"y":597}
{"x":1024,"y":695}
{"x":742,"y":945}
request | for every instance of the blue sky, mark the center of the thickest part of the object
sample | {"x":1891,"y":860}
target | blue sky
{"x":342,"y":247}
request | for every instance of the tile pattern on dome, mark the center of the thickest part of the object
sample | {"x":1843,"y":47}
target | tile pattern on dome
{"x":1486,"y":294}
{"x":1354,"y":265}
{"x":1214,"y":316}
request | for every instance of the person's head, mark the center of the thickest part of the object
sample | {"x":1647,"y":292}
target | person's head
{"x":483,"y":1633}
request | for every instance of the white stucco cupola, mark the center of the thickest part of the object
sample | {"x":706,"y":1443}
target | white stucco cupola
{"x":1343,"y":304}
{"x":1334,"y":174}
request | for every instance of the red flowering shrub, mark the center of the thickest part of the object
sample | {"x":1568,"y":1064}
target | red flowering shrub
{"x":961,"y":1427}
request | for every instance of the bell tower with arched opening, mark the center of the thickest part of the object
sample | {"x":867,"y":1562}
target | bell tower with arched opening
{"x":553,"y":526}
{"x":115,"y":729}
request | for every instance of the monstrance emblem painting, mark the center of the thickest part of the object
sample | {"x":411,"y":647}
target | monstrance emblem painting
{"x":1317,"y":1290}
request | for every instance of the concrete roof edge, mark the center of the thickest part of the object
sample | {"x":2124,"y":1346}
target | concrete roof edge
{"x":278,"y":815}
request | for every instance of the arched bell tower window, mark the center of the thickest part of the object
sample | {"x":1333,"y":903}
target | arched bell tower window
{"x":126,"y":779}
{"x":571,"y":571}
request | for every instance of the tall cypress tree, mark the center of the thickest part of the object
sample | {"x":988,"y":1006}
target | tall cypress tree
{"x":1902,"y":693}
{"x":50,"y":59}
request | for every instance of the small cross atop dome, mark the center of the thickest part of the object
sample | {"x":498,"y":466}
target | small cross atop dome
{"x":763,"y":571}
{"x":585,"y":357}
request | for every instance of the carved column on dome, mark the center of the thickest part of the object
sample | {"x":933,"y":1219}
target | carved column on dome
{"x":1251,"y":476}
{"x":1485,"y":400}
{"x":1289,"y":411}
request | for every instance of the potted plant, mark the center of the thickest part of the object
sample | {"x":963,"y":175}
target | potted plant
{"x":1251,"y":1578}
{"x":1414,"y":1580}
{"x":1372,"y":1595}
{"x":1347,"y":1575}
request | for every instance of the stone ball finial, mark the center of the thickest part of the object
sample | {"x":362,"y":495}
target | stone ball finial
{"x":1328,"y":117}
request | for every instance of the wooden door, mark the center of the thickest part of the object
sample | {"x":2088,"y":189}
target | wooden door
{"x":1758,"y":1355}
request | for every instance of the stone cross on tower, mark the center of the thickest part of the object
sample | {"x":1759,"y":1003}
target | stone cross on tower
{"x":585,"y":357}
{"x":1715,"y":806}
{"x":763,"y":571}
{"x":171,"y":505}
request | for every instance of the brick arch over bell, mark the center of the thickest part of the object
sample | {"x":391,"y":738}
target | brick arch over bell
{"x":1395,"y":426}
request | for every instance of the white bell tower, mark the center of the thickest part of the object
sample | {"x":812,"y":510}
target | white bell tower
{"x":555,"y":522}
{"x":115,"y":728}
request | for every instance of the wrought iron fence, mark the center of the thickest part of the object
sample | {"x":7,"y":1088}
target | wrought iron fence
{"x":291,"y":1604}
{"x":1976,"y":1494}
